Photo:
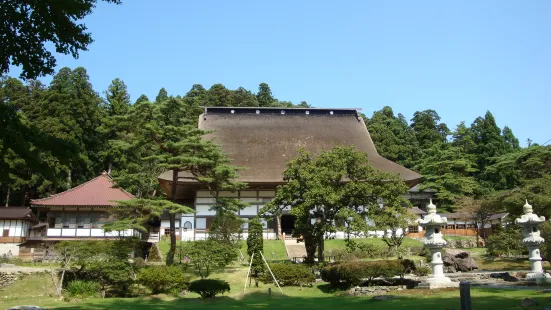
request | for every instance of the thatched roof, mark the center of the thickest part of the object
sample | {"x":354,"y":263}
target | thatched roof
{"x":263,"y":142}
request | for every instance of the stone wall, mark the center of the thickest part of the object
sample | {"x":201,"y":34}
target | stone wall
{"x":9,"y":273}
{"x":6,"y":279}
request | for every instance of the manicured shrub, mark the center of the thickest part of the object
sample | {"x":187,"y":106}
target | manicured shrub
{"x":163,"y":279}
{"x":422,"y":271}
{"x":506,"y":241}
{"x":288,"y":274}
{"x":208,"y":288}
{"x":82,"y":289}
{"x":358,"y":272}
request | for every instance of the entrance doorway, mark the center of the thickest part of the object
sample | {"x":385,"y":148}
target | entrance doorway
{"x":287,"y":224}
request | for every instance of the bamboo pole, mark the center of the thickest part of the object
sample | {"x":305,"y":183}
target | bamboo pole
{"x":275,"y":280}
{"x":248,"y":273}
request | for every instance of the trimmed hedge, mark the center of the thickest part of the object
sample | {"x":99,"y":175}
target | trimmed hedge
{"x":163,"y":279}
{"x":288,"y":274}
{"x":208,"y":288}
{"x":358,"y":272}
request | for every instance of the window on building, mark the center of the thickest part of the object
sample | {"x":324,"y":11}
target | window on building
{"x":413,"y":229}
{"x":470,"y":226}
{"x":187,"y":225}
{"x":167,"y":231}
{"x":200,"y":223}
{"x":450,"y":226}
{"x":460,"y":226}
{"x":6,"y":233}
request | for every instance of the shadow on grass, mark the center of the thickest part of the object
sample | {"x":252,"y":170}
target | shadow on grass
{"x":417,"y":299}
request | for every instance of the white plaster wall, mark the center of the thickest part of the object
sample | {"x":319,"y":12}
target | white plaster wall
{"x":5,"y":248}
{"x":204,"y":210}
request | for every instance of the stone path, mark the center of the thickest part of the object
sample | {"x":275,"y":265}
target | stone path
{"x":295,"y":249}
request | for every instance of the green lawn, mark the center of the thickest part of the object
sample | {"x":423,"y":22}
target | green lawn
{"x":273,"y":249}
{"x":35,"y":290}
{"x":339,"y":244}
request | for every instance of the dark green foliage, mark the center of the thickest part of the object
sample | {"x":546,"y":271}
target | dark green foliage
{"x":209,"y":288}
{"x":83,"y":289}
{"x":506,"y":241}
{"x":288,"y":274}
{"x":422,"y":271}
{"x":255,"y":244}
{"x":545,"y":230}
{"x":525,"y":174}
{"x":358,"y":272}
{"x":226,"y":228}
{"x":393,"y":137}
{"x":28,"y":25}
{"x":264,"y":95}
{"x":317,"y":192}
{"x":428,"y":129}
{"x":163,"y":279}
{"x":105,"y":262}
{"x":162,"y":96}
{"x":448,"y":171}
{"x":205,"y":255}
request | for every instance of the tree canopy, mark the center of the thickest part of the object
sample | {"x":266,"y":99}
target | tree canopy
{"x":28,"y":26}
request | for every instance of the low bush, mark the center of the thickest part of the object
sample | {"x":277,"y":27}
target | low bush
{"x":422,"y":271}
{"x":358,"y":272}
{"x":208,"y":288}
{"x":506,"y":241}
{"x":288,"y":274}
{"x":163,"y":279}
{"x":82,"y":289}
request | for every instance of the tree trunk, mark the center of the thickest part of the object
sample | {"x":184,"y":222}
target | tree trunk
{"x":477,"y":237}
{"x":172,"y":251}
{"x":310,"y":243}
{"x":69,"y":181}
{"x":278,"y":221}
{"x":321,"y":248}
{"x":8,"y":197}
{"x":109,"y":169}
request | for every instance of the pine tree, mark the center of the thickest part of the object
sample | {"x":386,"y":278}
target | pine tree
{"x":255,"y":244}
{"x":449,"y":171}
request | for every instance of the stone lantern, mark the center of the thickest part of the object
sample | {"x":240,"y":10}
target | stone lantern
{"x":530,"y":223}
{"x":432,"y":224}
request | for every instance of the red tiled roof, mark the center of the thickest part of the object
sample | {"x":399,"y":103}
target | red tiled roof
{"x":96,"y":192}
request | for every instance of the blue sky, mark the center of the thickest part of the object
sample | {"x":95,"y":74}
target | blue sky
{"x":459,"y":58}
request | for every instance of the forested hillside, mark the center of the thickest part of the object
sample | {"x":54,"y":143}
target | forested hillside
{"x":60,"y":135}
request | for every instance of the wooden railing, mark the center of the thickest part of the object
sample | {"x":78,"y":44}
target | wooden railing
{"x":12,"y":239}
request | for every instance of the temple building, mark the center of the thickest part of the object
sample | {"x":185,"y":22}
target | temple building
{"x":263,"y":141}
{"x":15,"y":224}
{"x":75,"y":214}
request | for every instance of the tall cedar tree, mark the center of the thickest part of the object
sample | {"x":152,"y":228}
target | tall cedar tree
{"x":255,"y":244}
{"x":319,"y":187}
{"x":393,"y":137}
{"x":28,"y":25}
{"x":117,"y":105}
{"x":428,"y":129}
